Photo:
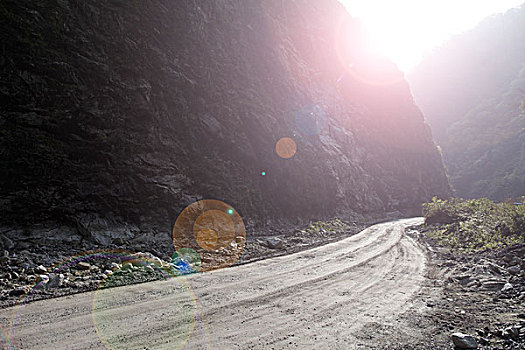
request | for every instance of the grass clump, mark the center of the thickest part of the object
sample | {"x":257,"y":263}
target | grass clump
{"x":476,"y":224}
{"x":333,"y":225}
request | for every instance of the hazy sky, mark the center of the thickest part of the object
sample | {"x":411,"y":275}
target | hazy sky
{"x":405,"y":29}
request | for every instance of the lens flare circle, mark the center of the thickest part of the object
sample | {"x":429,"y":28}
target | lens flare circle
{"x":214,"y":230}
{"x":185,"y":261}
{"x":286,"y":148}
{"x":114,"y":328}
{"x":118,"y":256}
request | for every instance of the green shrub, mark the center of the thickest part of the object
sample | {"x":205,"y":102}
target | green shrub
{"x":476,"y":224}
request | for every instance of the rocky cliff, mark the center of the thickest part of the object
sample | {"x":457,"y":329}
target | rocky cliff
{"x":118,"y":113}
{"x":471,"y":90}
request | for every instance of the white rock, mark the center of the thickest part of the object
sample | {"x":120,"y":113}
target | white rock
{"x":40,"y":269}
{"x":507,"y":287}
{"x":44,"y":278}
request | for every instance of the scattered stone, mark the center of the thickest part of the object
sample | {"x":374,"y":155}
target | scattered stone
{"x":494,"y":268}
{"x":493,"y":285}
{"x":6,"y":243}
{"x":464,"y":341}
{"x":18,"y":292}
{"x":43,"y":278}
{"x":274,"y":243}
{"x":39,"y":270}
{"x":514,"y":270}
{"x":507,"y":287}
{"x":512,"y":332}
{"x":55,"y":281}
{"x":483,"y":341}
{"x":83,"y":266}
{"x":462,"y":279}
{"x":118,"y":241}
{"x":149,"y":269}
{"x":5,"y":256}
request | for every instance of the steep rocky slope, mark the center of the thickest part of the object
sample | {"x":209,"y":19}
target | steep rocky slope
{"x":121,"y":113}
{"x":471,"y":90}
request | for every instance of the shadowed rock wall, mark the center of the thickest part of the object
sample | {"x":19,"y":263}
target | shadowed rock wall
{"x":128,"y":111}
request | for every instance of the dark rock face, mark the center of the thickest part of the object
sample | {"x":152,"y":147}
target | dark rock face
{"x":128,"y":111}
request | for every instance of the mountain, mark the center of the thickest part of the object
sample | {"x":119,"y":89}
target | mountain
{"x":471,"y":90}
{"x":124,"y":112}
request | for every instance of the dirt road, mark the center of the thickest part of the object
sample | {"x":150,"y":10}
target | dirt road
{"x":315,"y":299}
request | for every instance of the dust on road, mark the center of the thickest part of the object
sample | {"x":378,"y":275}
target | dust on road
{"x":319,"y":298}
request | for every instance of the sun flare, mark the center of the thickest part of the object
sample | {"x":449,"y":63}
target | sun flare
{"x":405,"y":30}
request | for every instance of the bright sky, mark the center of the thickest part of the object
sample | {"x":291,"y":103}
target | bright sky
{"x":406,"y":29}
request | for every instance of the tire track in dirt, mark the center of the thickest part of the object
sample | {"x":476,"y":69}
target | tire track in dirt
{"x":313,"y":299}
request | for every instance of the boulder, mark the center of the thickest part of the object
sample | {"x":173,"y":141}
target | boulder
{"x":464,"y":341}
{"x":83,"y":266}
{"x":274,"y":243}
{"x":55,"y":281}
{"x":507,"y":287}
{"x":39,"y":270}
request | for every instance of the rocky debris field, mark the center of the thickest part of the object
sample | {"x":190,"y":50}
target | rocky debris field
{"x":478,"y":295}
{"x":34,"y":268}
{"x":468,"y":300}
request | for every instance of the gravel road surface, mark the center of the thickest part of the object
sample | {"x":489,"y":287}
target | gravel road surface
{"x":314,"y":299}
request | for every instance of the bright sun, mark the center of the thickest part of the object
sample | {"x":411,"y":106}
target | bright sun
{"x":404,"y":30}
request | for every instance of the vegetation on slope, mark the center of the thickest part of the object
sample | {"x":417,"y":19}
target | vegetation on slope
{"x":475,"y":225}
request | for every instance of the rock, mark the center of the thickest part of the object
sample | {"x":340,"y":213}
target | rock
{"x":55,"y":281}
{"x":39,"y":270}
{"x":128,"y":265}
{"x":6,"y":243}
{"x":514,"y":270}
{"x":515,"y":261}
{"x":5,"y":256}
{"x":149,"y":269}
{"x":464,"y":341}
{"x":484,"y":341}
{"x":493,"y":285}
{"x":83,"y":266}
{"x":43,"y":278}
{"x":118,"y":241}
{"x":494,"y":268}
{"x":512,"y":332}
{"x":274,"y":243}
{"x":507,"y":287}
{"x":18,"y":291}
{"x":462,"y":279}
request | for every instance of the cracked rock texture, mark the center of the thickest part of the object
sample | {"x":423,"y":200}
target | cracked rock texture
{"x":115,"y":115}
